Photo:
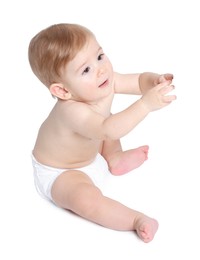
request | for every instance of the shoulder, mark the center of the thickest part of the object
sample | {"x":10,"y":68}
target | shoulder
{"x":72,"y":111}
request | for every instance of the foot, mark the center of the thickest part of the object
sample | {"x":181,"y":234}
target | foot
{"x":123,"y":162}
{"x":146,"y":228}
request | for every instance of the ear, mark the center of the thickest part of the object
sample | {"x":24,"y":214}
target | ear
{"x":58,"y":90}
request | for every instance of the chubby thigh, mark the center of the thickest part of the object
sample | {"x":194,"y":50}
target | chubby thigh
{"x":75,"y":191}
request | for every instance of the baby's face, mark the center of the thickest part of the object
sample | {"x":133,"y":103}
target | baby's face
{"x":89,"y":76}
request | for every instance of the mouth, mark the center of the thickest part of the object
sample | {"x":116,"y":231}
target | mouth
{"x":104,"y":84}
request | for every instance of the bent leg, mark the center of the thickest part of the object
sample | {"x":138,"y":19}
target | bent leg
{"x":74,"y":190}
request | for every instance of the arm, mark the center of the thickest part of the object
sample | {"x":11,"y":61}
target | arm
{"x":127,"y":84}
{"x":123,"y":122}
{"x":93,"y":125}
{"x":140,"y":83}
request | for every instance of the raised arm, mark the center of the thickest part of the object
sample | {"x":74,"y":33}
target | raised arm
{"x":93,"y":125}
{"x":139,"y":83}
{"x":127,"y":84}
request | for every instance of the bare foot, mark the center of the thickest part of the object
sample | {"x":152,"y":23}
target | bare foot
{"x":123,"y":162}
{"x":146,"y":228}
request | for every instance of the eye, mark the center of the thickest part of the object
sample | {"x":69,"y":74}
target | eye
{"x":100,"y":57}
{"x":86,"y":70}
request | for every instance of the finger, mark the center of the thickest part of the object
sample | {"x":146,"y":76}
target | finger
{"x":169,"y":98}
{"x":168,"y":76}
{"x":165,"y":90}
{"x":162,"y":85}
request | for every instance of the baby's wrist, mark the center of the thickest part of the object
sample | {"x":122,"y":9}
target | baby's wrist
{"x":145,"y":108}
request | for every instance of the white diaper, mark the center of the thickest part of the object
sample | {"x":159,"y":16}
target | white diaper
{"x":44,"y":176}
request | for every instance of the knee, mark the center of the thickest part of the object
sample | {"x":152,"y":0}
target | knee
{"x":86,"y":201}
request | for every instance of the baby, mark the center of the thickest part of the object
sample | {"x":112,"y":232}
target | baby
{"x":78,"y":144}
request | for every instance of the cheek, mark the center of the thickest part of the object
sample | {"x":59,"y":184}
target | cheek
{"x":88,"y":80}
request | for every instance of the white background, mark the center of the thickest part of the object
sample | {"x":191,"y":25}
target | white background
{"x":159,"y":36}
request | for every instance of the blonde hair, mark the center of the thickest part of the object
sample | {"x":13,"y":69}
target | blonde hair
{"x":52,"y":48}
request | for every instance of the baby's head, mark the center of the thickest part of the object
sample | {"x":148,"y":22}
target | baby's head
{"x":52,"y":48}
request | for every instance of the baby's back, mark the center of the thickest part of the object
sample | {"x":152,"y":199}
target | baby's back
{"x":59,"y":146}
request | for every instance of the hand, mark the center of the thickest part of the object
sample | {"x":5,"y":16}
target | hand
{"x":148,"y":80}
{"x":157,"y":97}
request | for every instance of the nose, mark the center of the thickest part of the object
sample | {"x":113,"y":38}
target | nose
{"x":101,"y":70}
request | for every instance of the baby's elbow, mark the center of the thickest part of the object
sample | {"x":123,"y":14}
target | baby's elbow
{"x":104,"y":137}
{"x":110,"y":137}
{"x":110,"y":134}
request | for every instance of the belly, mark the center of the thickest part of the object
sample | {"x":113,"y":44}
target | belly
{"x":68,"y":157}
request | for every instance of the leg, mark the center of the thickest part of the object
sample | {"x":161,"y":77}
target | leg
{"x":73,"y":190}
{"x":122,"y":162}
